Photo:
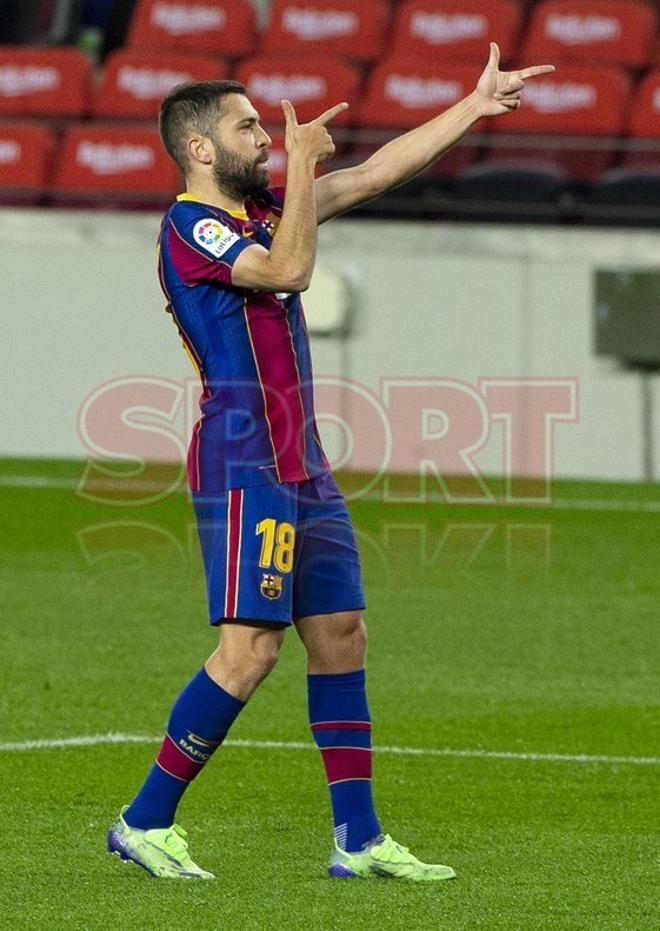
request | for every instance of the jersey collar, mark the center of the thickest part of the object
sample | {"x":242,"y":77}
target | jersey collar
{"x":237,"y":214}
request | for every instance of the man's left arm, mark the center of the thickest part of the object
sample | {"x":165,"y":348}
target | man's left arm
{"x":398,"y":161}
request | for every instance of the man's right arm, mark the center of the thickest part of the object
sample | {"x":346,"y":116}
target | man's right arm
{"x":289,"y":263}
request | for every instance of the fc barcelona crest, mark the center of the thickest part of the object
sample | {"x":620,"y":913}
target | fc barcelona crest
{"x":271,"y":586}
{"x":270,"y":223}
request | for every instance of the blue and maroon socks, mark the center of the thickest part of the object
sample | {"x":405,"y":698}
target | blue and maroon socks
{"x":341,"y":725}
{"x":200,"y":719}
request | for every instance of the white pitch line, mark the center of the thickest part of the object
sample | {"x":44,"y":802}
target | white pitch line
{"x":593,"y":504}
{"x":94,"y":740}
{"x":35,"y":481}
{"x":98,"y":484}
{"x":631,"y":505}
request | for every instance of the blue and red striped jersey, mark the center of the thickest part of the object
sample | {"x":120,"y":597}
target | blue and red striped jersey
{"x":250,"y":348}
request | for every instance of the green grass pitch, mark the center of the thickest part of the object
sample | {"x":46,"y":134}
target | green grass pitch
{"x":491,"y":628}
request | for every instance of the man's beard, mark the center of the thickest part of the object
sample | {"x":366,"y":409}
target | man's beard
{"x":237,"y":177}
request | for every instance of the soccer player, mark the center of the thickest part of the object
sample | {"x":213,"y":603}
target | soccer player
{"x":276,"y":538}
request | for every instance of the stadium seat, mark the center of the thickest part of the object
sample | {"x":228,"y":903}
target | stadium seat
{"x":514,"y":190}
{"x":645,"y":117}
{"x":26,"y":152}
{"x":404,"y":92}
{"x":122,"y":161}
{"x":208,"y":27}
{"x":135,"y":82}
{"x":335,"y":27}
{"x":626,"y":197}
{"x":454,"y":30}
{"x":312,"y":84}
{"x":603,"y":31}
{"x":578,"y":100}
{"x":52,"y":82}
{"x":645,"y":125}
{"x":39,"y":22}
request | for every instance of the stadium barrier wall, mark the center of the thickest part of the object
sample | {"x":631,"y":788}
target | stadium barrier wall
{"x":437,"y":305}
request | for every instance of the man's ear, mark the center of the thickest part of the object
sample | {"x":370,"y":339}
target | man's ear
{"x":200,"y":150}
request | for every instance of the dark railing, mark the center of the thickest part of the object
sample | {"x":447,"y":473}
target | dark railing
{"x":533,"y":186}
{"x":533,"y":183}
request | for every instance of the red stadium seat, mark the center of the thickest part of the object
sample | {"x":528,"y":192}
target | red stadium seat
{"x":135,"y":82}
{"x":311,"y":84}
{"x":645,"y":124}
{"x":455,"y":30}
{"x":209,"y":27}
{"x":335,"y":27}
{"x":645,"y":118}
{"x":576,"y":100}
{"x":116,"y":160}
{"x":52,"y":82}
{"x":26,"y":151}
{"x":404,"y":92}
{"x":603,"y":31}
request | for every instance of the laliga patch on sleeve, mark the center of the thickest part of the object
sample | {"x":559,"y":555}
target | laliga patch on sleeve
{"x":214,"y":237}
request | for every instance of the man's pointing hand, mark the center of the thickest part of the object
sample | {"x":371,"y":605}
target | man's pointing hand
{"x":310,"y":139}
{"x":498,"y":91}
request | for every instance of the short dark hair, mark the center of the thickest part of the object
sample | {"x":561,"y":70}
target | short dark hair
{"x":193,"y":106}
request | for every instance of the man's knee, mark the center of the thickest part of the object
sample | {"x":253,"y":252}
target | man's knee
{"x":350,"y":628}
{"x":335,"y":642}
{"x":245,"y":656}
{"x":257,"y":648}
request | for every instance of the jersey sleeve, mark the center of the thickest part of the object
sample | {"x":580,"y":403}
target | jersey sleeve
{"x":203,"y":249}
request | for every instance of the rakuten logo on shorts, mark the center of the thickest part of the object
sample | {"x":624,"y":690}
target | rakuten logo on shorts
{"x":147,"y":83}
{"x":178,"y":19}
{"x":10,"y":152}
{"x":16,"y":80}
{"x":440,"y":28}
{"x":548,"y":97}
{"x":296,"y":88}
{"x":656,"y":99}
{"x":319,"y":24}
{"x":106,"y":159}
{"x":418,"y":92}
{"x":573,"y":29}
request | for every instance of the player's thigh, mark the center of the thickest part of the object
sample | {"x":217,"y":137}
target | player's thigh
{"x":247,"y":538}
{"x":328,"y":575}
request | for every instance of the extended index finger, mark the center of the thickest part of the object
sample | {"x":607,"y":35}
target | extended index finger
{"x":289,"y":114}
{"x":536,"y":70}
{"x":331,"y":113}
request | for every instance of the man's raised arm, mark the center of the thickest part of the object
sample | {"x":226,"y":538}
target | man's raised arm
{"x":497,"y":92}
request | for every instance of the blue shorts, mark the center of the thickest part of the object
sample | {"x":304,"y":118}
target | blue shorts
{"x":274,"y":553}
